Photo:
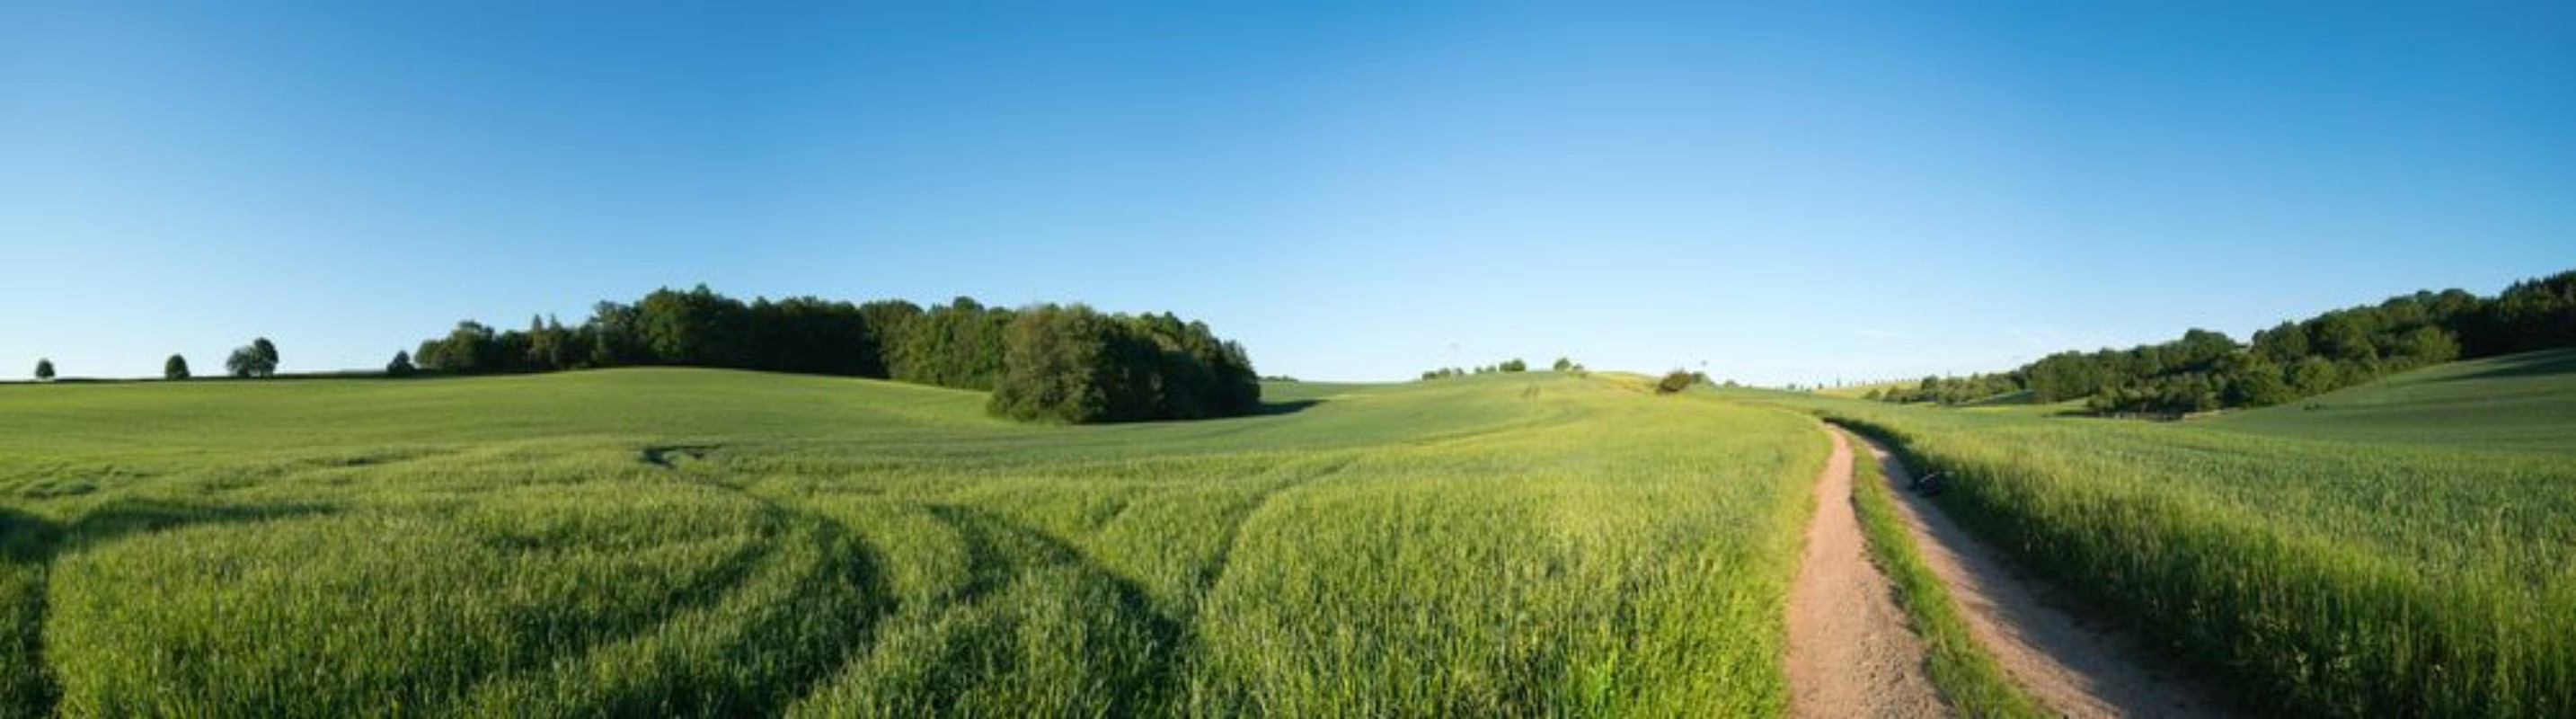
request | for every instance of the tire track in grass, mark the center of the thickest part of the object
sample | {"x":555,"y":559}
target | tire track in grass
{"x":680,"y":688}
{"x":1224,"y":556}
{"x":975,"y":635}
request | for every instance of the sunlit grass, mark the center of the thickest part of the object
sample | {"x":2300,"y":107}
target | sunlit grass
{"x":2320,"y":575}
{"x":680,"y":542}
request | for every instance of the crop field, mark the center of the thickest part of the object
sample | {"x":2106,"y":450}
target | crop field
{"x":2400,"y":548}
{"x":700,"y":542}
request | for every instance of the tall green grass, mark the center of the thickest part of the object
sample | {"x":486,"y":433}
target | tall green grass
{"x":704,"y":543}
{"x":2325,"y":576}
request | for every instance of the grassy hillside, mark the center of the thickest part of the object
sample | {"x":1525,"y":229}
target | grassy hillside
{"x":2404,"y":549}
{"x":2524,"y":401}
{"x":705,"y":542}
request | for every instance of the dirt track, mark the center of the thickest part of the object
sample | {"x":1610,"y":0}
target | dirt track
{"x":2075,"y":667}
{"x":1850,"y":652}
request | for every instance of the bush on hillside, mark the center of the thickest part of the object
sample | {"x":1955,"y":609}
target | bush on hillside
{"x":1674,"y":382}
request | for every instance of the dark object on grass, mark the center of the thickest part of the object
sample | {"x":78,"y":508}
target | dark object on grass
{"x":1673,"y":382}
{"x":1927,"y":485}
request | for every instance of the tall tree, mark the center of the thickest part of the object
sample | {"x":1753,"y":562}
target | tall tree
{"x":175,"y":368}
{"x":44,"y":369}
{"x":267,"y":352}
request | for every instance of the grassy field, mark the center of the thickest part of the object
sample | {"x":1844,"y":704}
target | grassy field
{"x":2402,"y":548}
{"x":703,"y":542}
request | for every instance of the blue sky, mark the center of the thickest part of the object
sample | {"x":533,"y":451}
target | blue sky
{"x":1788,"y":192}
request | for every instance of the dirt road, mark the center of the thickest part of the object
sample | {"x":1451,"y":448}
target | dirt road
{"x":2075,"y":667}
{"x":1850,"y":652}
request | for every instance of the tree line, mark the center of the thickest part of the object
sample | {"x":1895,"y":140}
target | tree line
{"x":2204,"y":370}
{"x":1064,"y":363}
{"x":1563,"y":364}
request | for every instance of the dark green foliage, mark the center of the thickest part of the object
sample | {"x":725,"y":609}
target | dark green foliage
{"x":550,"y":346}
{"x":2531,"y":315}
{"x":697,"y":328}
{"x":44,"y":369}
{"x":1674,"y":382}
{"x":615,"y":334}
{"x":1073,"y":364}
{"x":957,"y":345}
{"x":258,"y":359}
{"x":1138,"y":367}
{"x":1509,"y":365}
{"x":401,"y":365}
{"x":471,"y":348}
{"x":1953,"y":390}
{"x":175,"y":368}
{"x":2206,"y":370}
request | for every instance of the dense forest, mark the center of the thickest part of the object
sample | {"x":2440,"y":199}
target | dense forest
{"x":1047,"y":363}
{"x":2206,"y":370}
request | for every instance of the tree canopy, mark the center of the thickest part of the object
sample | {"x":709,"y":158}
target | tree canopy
{"x":1070,"y":364}
{"x":257,"y":359}
{"x":175,"y":368}
{"x":2205,"y":370}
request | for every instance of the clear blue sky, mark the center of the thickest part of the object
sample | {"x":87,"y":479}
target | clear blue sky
{"x":1359,"y":190}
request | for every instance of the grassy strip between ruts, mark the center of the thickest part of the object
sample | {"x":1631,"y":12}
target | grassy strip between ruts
{"x":1966,"y":675}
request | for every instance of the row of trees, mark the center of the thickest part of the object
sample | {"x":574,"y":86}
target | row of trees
{"x":1953,"y":390}
{"x":1076,"y":364}
{"x":257,"y":359}
{"x":2206,"y":370}
{"x":1510,"y":365}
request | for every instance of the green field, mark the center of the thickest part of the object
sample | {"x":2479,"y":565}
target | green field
{"x":2400,"y":548}
{"x":700,"y":542}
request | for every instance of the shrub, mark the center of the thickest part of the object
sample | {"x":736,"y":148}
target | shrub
{"x":1673,"y":382}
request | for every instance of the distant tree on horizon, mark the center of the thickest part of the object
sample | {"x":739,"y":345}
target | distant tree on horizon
{"x":258,"y":359}
{"x":401,"y":365}
{"x":44,"y":370}
{"x":175,"y":368}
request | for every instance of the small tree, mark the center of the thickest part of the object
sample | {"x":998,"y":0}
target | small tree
{"x":259,"y":359}
{"x":175,"y":368}
{"x":45,"y":370}
{"x":1513,"y":365}
{"x":1564,"y":364}
{"x":401,"y":366}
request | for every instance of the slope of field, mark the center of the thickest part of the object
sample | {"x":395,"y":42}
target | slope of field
{"x":2321,"y":563}
{"x":693,"y":542}
{"x":2524,"y":401}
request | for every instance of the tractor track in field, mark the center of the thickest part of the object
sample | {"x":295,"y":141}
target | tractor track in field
{"x":2075,"y":666}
